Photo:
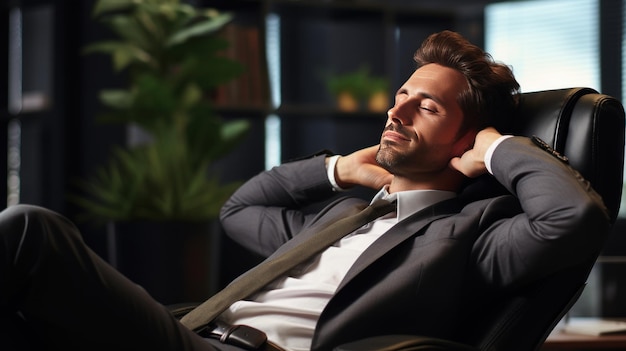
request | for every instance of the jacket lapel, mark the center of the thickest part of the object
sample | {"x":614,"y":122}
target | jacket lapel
{"x":403,"y":230}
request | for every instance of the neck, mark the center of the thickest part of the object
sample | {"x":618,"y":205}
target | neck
{"x":451,"y":181}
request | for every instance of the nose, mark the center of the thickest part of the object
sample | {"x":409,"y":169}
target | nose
{"x":399,"y":114}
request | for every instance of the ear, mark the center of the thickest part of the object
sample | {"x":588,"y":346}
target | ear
{"x":465,"y":142}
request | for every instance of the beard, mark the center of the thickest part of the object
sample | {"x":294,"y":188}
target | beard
{"x":411,"y":158}
{"x":388,"y":157}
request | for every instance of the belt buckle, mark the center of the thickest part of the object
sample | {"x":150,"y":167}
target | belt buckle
{"x":239,"y":335}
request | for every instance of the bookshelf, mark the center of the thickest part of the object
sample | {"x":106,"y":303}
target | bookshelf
{"x":291,"y":48}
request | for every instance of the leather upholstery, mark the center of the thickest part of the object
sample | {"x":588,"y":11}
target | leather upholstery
{"x":588,"y":128}
{"x":584,"y":125}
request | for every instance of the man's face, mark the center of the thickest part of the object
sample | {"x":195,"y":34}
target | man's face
{"x":422,"y":129}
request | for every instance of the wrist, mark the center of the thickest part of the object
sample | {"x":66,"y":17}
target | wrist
{"x":331,"y":171}
{"x":491,"y":149}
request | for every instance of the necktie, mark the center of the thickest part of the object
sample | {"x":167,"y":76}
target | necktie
{"x":269,"y":270}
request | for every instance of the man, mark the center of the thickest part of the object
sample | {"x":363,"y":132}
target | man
{"x":446,"y":246}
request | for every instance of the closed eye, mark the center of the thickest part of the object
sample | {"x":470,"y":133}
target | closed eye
{"x":428,"y":109}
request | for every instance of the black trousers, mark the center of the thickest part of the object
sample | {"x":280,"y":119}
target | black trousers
{"x":56,"y":293}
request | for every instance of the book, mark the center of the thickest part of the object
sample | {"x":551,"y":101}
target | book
{"x":251,"y":88}
{"x":594,"y":326}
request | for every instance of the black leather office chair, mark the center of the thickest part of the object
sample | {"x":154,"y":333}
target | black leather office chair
{"x":588,"y":128}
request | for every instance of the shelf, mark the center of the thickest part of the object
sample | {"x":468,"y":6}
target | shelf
{"x":327,"y":111}
{"x":302,"y":111}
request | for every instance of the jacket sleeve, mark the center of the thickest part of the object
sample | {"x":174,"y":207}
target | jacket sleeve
{"x":270,"y":208}
{"x":562,"y":221}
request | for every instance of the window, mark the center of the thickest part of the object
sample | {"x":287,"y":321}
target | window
{"x":550,"y":44}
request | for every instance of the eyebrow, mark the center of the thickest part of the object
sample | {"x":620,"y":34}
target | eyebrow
{"x":431,"y":97}
{"x":424,"y":95}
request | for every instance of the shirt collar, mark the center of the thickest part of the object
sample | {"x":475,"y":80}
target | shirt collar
{"x":411,"y":201}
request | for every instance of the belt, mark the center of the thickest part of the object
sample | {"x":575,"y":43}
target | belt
{"x":243,"y":336}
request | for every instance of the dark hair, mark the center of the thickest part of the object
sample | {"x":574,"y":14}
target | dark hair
{"x":492,"y":90}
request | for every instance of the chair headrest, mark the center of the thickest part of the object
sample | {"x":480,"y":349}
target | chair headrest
{"x":583,"y":125}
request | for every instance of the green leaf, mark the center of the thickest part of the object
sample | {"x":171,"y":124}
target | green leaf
{"x":131,"y":31}
{"x":122,"y":54}
{"x":216,"y":71}
{"x":116,"y":98}
{"x":105,"y":47}
{"x":203,"y":28}
{"x":231,"y":134}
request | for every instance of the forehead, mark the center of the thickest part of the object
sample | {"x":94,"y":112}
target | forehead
{"x":442,"y":83}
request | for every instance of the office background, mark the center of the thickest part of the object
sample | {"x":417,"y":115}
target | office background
{"x":49,"y":104}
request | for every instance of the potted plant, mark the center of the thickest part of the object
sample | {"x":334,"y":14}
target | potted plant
{"x":349,"y":89}
{"x":172,"y":56}
{"x":359,"y":88}
{"x":378,"y":94}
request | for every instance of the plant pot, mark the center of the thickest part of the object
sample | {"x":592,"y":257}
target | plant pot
{"x":347,"y":102}
{"x":378,"y":102}
{"x":174,"y":261}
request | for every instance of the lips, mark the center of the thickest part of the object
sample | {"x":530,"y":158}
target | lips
{"x":394,"y":133}
{"x":393,"y":136}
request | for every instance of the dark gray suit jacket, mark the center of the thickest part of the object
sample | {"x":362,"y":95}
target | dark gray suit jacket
{"x":418,"y":275}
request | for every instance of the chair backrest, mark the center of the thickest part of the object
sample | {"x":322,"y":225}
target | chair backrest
{"x":588,"y":128}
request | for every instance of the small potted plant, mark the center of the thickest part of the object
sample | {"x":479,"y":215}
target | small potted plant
{"x":358,"y":89}
{"x":378,"y":96}
{"x":349,"y":89}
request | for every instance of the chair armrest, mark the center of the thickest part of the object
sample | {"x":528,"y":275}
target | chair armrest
{"x":404,"y":343}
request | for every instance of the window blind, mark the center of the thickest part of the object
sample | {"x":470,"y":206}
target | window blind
{"x":550,"y":44}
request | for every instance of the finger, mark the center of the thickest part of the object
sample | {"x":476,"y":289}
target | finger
{"x":456,"y":164}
